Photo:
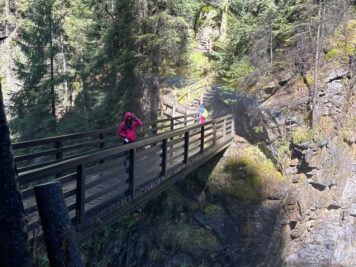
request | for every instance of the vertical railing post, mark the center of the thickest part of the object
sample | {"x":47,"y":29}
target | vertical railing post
{"x":224,"y":129}
{"x":214,"y":132}
{"x":101,"y":144}
{"x":172,"y":124}
{"x":132,"y":173}
{"x":202,"y":133}
{"x":232,"y":127}
{"x":188,"y":94}
{"x":154,"y":128}
{"x":185,"y":120}
{"x":174,"y":110}
{"x":80,"y":197}
{"x":164,"y":158}
{"x":186,"y":147}
{"x":59,"y":154}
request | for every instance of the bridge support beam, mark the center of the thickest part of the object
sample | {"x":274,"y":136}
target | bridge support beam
{"x":61,"y":244}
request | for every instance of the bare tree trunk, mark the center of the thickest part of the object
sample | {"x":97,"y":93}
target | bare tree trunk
{"x":154,"y":97}
{"x":86,"y":96}
{"x":142,"y":8}
{"x":271,"y":44}
{"x":14,"y":251}
{"x":53,"y":94}
{"x":318,"y":49}
{"x":318,"y":42}
{"x":69,"y":99}
{"x":59,"y":235}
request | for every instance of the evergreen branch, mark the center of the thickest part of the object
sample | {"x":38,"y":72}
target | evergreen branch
{"x":107,"y":11}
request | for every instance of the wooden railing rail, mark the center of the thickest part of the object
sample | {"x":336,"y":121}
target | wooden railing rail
{"x":97,"y":183}
{"x":38,"y":153}
{"x":191,"y":91}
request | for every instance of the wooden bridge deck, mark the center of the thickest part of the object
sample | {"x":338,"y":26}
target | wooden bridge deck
{"x":100,"y":186}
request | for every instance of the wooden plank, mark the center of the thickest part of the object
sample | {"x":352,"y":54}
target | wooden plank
{"x":176,"y":157}
{"x":123,"y":179}
{"x":102,"y":192}
{"x":107,"y":164}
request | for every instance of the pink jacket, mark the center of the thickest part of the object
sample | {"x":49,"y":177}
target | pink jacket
{"x":129,"y":133}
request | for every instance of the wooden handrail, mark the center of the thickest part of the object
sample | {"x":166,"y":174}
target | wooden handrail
{"x":61,"y":166}
{"x":193,"y":88}
{"x":99,"y":139}
{"x":42,"y":141}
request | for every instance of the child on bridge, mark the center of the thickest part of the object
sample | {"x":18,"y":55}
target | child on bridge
{"x":127,"y":129}
{"x":203,"y":114}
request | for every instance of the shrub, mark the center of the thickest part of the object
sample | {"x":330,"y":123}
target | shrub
{"x":301,"y":134}
{"x":248,"y":176}
{"x":185,"y":237}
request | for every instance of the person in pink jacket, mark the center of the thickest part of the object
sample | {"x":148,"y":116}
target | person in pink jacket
{"x":127,"y":129}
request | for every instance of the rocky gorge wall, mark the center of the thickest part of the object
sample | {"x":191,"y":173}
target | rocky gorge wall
{"x":318,"y":214}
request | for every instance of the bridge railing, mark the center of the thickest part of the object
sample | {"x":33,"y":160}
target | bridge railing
{"x":194,"y":90}
{"x":41,"y":152}
{"x":97,"y":183}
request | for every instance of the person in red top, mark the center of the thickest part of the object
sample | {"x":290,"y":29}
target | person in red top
{"x":127,"y":129}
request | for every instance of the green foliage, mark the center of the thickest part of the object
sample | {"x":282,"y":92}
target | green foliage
{"x":248,"y":176}
{"x":349,"y":128}
{"x":199,"y":64}
{"x":258,"y":129}
{"x":185,"y":237}
{"x":237,"y":72}
{"x":301,"y":134}
{"x":282,"y":149}
{"x":36,"y":103}
{"x":214,"y":210}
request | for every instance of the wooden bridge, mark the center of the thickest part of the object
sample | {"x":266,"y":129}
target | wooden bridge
{"x":103,"y":180}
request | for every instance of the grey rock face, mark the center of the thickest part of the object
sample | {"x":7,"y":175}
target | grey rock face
{"x":318,"y":218}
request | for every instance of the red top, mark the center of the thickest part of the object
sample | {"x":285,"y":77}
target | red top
{"x":129,"y":133}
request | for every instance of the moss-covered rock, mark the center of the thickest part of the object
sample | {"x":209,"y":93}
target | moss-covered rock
{"x":248,"y":176}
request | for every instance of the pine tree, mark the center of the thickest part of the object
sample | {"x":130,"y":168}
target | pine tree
{"x":40,"y":71}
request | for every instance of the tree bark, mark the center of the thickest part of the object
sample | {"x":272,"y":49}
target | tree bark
{"x":318,"y":41}
{"x":61,"y":244}
{"x":318,"y":49}
{"x":53,"y":94}
{"x":14,"y":251}
{"x":69,"y":99}
{"x":271,"y":43}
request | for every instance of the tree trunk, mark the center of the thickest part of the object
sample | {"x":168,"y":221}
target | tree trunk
{"x":318,"y":49}
{"x":154,"y":94}
{"x":154,"y":97}
{"x":86,"y":96}
{"x":62,"y":247}
{"x":318,"y":42}
{"x":53,"y":94}
{"x":14,"y":251}
{"x":271,"y":44}
{"x":69,"y":99}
